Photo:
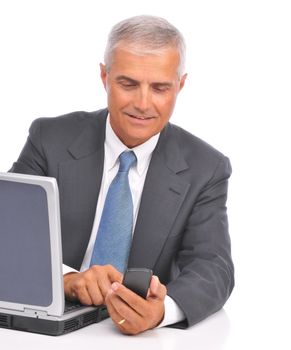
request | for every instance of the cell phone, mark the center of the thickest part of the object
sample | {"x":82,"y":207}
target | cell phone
{"x":138,"y":280}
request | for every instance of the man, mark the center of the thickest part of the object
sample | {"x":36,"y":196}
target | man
{"x":178,"y":185}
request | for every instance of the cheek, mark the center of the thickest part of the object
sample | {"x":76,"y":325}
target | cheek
{"x":166,"y":105}
{"x":119,"y":98}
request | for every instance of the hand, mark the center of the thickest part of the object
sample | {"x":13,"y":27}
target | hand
{"x":139,"y":314}
{"x":91,"y":286}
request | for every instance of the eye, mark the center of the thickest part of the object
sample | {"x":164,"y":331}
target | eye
{"x":127,"y":85}
{"x":161,"y":88}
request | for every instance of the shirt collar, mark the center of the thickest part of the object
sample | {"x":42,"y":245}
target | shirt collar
{"x":114,"y":147}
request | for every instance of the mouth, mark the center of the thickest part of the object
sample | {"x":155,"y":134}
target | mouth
{"x":139,"y":117}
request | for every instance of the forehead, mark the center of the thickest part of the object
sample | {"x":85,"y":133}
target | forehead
{"x":162,"y":64}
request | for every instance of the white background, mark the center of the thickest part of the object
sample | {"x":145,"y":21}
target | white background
{"x":237,"y":98}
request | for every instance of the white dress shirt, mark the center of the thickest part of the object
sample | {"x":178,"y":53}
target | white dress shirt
{"x":113,"y":147}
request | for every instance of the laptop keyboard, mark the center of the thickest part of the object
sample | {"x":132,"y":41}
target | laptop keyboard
{"x":72,"y":305}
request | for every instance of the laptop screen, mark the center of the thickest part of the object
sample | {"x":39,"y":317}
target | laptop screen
{"x":25,"y":256}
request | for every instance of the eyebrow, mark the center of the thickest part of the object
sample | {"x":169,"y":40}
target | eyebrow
{"x":133,"y":81}
{"x":124,"y":77}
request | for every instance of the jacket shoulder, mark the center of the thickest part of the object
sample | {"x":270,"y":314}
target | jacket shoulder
{"x":66,"y":126}
{"x":191,"y":144}
{"x":200,"y":156}
{"x":69,"y":120}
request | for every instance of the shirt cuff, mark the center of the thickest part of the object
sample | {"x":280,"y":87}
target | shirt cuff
{"x":173,"y":313}
{"x":68,"y":269}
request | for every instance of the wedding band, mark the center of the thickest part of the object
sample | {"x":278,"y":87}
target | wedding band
{"x":121,"y":321}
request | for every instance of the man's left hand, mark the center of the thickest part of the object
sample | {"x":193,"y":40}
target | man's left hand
{"x":131,"y":313}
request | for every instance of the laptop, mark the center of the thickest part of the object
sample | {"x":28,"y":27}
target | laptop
{"x":31,"y":278}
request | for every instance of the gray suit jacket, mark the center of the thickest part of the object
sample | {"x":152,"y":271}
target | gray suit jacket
{"x":181,"y":231}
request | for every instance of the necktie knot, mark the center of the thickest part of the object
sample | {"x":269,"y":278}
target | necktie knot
{"x":126,"y":159}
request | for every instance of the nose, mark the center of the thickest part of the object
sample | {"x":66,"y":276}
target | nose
{"x":142,"y":101}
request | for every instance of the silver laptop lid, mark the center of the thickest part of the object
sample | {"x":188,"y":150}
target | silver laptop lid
{"x":30,"y":245}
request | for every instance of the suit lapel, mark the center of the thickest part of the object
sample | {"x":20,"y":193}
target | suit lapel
{"x":163,"y":194}
{"x":79,"y":182}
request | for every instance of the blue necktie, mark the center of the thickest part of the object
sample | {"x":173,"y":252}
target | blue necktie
{"x":114,"y":235}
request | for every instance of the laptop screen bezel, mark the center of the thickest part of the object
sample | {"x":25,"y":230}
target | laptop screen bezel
{"x":49,"y":184}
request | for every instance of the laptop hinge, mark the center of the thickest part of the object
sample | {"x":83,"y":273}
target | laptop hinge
{"x":35,"y":313}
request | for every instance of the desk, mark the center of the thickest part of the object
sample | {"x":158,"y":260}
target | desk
{"x":209,"y":334}
{"x":238,"y":327}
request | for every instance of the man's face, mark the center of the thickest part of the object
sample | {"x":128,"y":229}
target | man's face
{"x":141,"y":93}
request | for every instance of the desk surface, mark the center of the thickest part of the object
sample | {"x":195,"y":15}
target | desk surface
{"x":104,"y":336}
{"x":227,"y":329}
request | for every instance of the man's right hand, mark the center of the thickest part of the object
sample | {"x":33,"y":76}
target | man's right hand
{"x":91,"y":286}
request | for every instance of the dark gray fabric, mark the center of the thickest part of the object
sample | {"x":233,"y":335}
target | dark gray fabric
{"x":181,"y":231}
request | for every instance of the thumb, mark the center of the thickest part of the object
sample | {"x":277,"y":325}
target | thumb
{"x":157,"y":290}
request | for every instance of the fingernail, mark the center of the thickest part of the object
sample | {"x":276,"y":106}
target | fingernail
{"x":114,"y":286}
{"x":154,"y":285}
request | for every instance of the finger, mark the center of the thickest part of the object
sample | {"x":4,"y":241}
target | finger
{"x":137,"y":303}
{"x":70,"y":295}
{"x":123,"y":316}
{"x":105,"y":276}
{"x":83,"y":295}
{"x":112,"y":310}
{"x":157,"y":290}
{"x":114,"y":274}
{"x":75,"y":288}
{"x":68,"y":278}
{"x":104,"y":283}
{"x":79,"y":288}
{"x":122,"y":309}
{"x":95,"y":293}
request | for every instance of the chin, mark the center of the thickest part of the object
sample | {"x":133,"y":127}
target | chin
{"x":135,"y":141}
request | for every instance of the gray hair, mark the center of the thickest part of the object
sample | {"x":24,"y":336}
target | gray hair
{"x":148,"y":35}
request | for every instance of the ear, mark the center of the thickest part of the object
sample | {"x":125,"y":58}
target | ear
{"x":182,"y":81}
{"x":103,"y":74}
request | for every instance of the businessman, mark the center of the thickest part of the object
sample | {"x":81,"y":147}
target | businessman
{"x":138,"y":191}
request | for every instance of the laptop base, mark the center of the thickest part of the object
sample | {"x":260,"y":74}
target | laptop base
{"x":48,"y":327}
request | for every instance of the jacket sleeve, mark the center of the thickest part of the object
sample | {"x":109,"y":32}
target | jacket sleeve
{"x":205,"y":275}
{"x":32,"y":159}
